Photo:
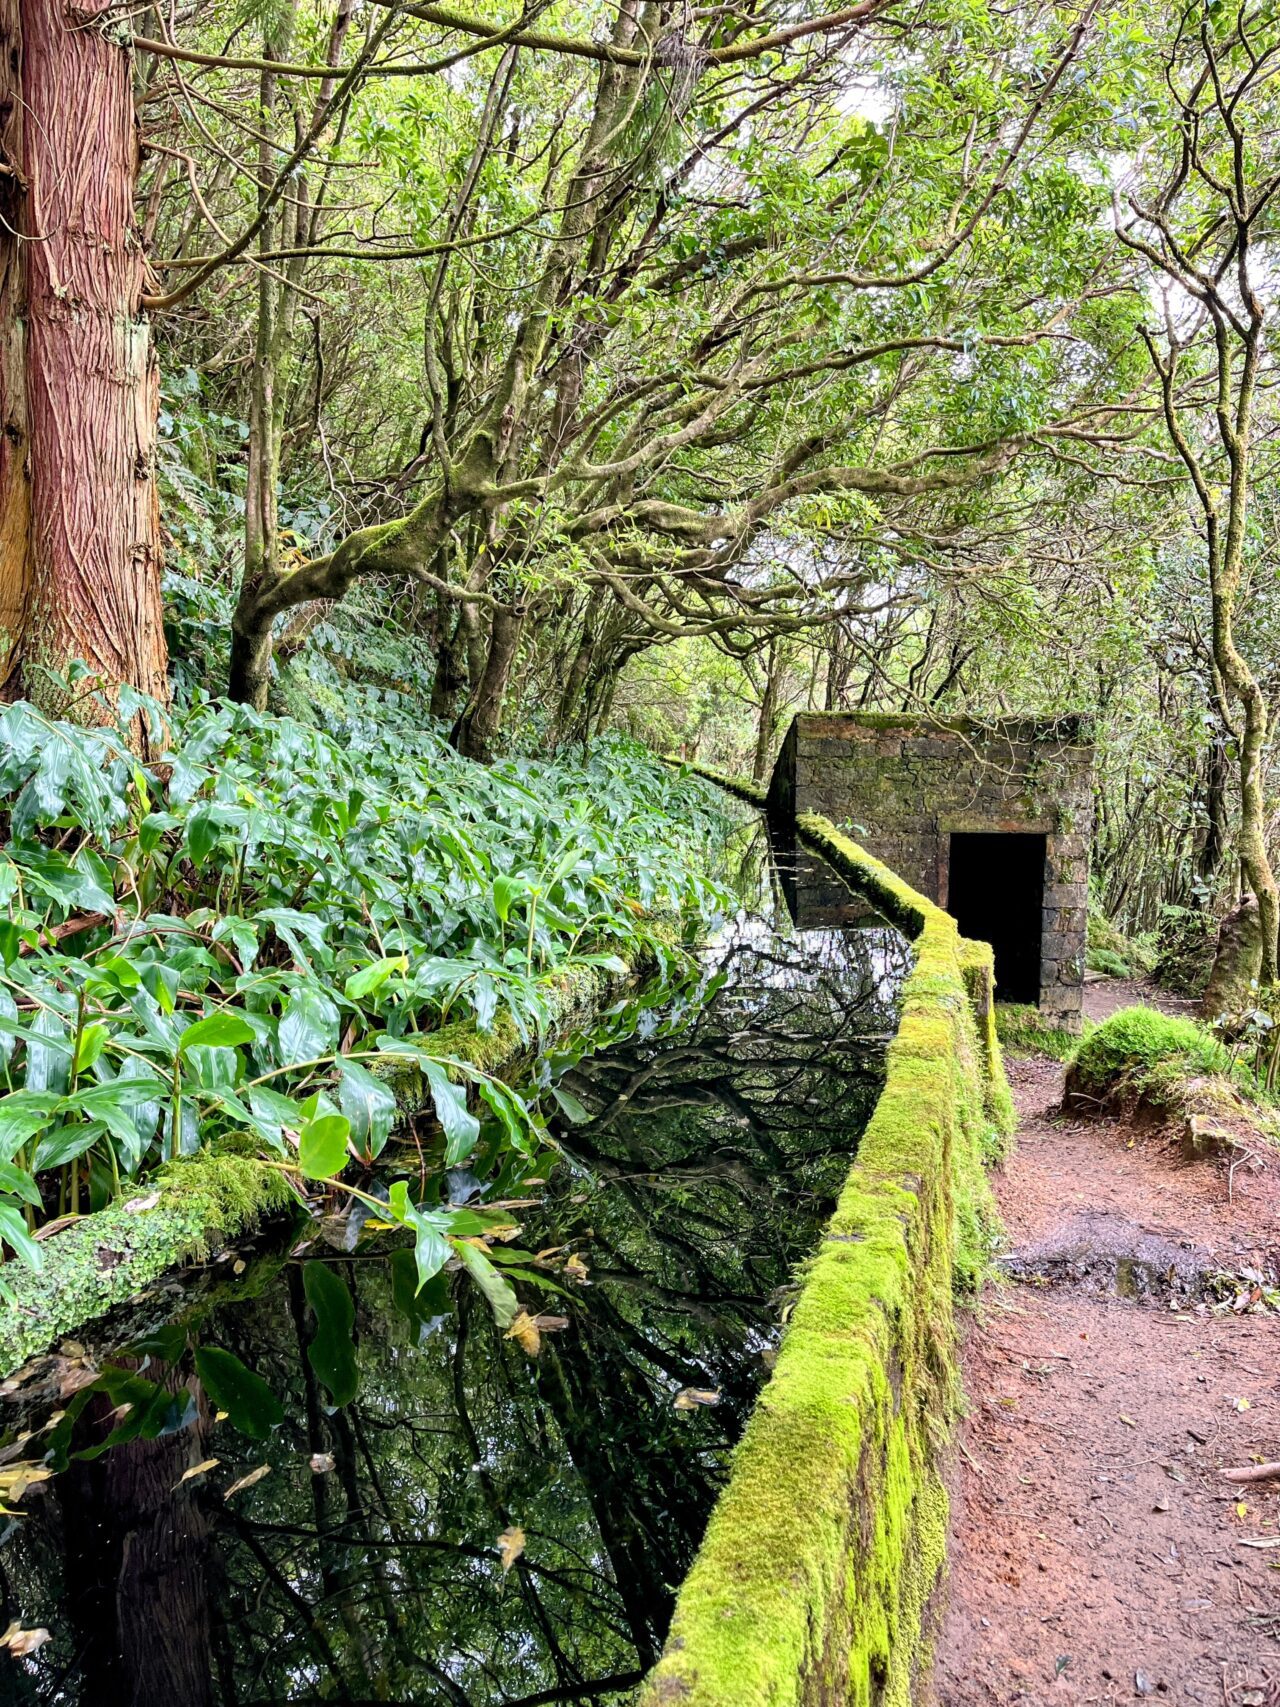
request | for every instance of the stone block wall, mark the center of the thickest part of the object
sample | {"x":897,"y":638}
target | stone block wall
{"x":904,"y":784}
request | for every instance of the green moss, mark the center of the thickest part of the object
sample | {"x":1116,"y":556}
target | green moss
{"x":1138,"y":1049}
{"x":819,"y":1561}
{"x":1023,"y":1031}
{"x":106,"y":1258}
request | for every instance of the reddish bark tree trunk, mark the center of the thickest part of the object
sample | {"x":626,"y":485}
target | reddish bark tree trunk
{"x":79,"y":390}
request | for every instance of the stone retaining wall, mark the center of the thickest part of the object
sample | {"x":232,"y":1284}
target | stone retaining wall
{"x":813,"y":1582}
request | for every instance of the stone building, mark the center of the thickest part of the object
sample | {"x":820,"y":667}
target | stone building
{"x":990,"y":819}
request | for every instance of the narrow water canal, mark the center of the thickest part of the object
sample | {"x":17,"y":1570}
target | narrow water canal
{"x":472,"y":1524}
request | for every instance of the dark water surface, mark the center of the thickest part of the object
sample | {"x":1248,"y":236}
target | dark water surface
{"x":702,"y":1149}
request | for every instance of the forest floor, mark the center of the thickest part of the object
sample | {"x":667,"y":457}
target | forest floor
{"x":1097,"y":1554}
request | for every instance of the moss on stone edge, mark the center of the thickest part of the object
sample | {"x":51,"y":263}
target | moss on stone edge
{"x":207,"y":1198}
{"x":811,"y":1584}
{"x":106,"y":1258}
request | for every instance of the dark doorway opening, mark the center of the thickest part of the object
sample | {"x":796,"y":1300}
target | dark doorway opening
{"x":995,"y":892}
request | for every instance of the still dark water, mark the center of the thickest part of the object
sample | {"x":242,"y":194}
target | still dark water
{"x":702,"y":1147}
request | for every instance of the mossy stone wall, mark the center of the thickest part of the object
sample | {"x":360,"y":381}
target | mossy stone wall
{"x":812,"y":1585}
{"x":906,"y":783}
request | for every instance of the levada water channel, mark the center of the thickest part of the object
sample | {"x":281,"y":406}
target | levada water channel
{"x":355,"y":1492}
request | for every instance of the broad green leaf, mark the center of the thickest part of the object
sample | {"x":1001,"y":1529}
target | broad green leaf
{"x":370,"y":978}
{"x":431,"y":1250}
{"x":249,"y":1403}
{"x":499,"y":1291}
{"x":322,"y":1146}
{"x":217,"y":1031}
{"x":14,"y":1233}
{"x":308,"y":1027}
{"x":368,"y":1104}
{"x":331,"y":1352}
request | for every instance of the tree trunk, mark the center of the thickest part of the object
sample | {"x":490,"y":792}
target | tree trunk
{"x":476,"y":731}
{"x":768,"y":714}
{"x":79,"y":387}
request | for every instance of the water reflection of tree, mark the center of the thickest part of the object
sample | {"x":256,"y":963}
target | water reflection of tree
{"x":699,"y":1182}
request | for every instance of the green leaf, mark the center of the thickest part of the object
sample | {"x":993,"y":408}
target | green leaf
{"x":431,"y":1250}
{"x":461,"y":1128}
{"x":322,"y":1146}
{"x":332,"y":1352}
{"x":500,"y":1293}
{"x":308,"y":1027}
{"x":249,"y":1403}
{"x":373,"y":977}
{"x":13,"y":1230}
{"x":93,"y":1040}
{"x":19,"y":1184}
{"x":22,"y":1115}
{"x":368,"y":1104}
{"x":506,"y":890}
{"x":217,"y":1031}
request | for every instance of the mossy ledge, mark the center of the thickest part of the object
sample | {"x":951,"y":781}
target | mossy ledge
{"x":812,"y":1584}
{"x":203,"y":1200}
{"x":176,"y":1217}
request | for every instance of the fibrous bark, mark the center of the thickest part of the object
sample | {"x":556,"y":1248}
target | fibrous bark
{"x":79,"y":389}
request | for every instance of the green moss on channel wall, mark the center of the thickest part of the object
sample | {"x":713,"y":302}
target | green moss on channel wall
{"x":102,"y":1260}
{"x":812,"y":1584}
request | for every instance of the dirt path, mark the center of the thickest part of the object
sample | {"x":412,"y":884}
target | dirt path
{"x":1097,"y":1554}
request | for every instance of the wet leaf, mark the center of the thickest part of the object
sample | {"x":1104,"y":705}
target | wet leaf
{"x":200,"y":1469}
{"x":15,"y":1479}
{"x":689,"y":1398}
{"x":249,"y":1403}
{"x":23,"y":1642}
{"x":332,"y":1352}
{"x":248,"y":1481}
{"x":220,"y":1031}
{"x":510,"y":1546}
{"x":322,"y":1146}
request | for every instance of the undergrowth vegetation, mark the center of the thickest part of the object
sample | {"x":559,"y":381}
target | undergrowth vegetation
{"x":238,"y":937}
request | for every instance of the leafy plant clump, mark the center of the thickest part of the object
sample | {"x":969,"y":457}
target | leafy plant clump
{"x":237,"y":938}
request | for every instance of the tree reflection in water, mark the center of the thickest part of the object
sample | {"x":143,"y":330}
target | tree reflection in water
{"x":707,"y":1152}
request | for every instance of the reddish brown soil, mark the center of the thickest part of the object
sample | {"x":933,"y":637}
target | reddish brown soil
{"x":1097,"y":1555}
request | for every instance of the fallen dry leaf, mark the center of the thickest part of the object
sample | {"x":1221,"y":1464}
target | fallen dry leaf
{"x":525,"y":1331}
{"x":23,"y":1642}
{"x":689,"y":1398}
{"x":248,"y":1481}
{"x":321,"y":1463}
{"x":510,"y":1546}
{"x":197,"y":1470}
{"x":576,"y":1269}
{"x":15,"y":1479}
{"x":139,"y":1205}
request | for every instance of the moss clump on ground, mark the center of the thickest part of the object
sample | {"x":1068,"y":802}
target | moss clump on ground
{"x":1172,"y":1068}
{"x":104,"y":1259}
{"x":1023,"y":1031}
{"x":813,"y":1578}
{"x":1142,"y":1055}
